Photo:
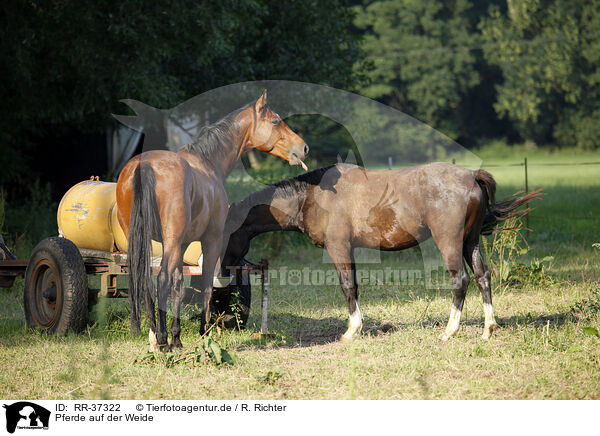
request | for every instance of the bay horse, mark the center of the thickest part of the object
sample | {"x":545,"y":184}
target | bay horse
{"x":178,"y":197}
{"x":344,"y":206}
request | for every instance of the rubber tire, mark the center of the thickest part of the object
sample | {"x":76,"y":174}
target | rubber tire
{"x":58,"y":261}
{"x":235,"y":298}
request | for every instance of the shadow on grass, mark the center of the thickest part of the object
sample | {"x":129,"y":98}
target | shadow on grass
{"x":288,"y":330}
{"x":294,"y":331}
{"x":555,"y":319}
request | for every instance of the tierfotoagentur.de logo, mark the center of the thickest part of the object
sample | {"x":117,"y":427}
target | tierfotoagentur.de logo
{"x":26,"y":416}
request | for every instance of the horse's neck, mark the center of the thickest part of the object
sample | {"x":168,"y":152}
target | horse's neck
{"x":261,"y":213}
{"x":224,"y":159}
{"x":231,"y":157}
{"x":254,"y":216}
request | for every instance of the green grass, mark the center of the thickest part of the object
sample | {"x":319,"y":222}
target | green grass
{"x":541,"y":350}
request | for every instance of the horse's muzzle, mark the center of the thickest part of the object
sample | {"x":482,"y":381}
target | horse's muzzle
{"x":298,"y":154}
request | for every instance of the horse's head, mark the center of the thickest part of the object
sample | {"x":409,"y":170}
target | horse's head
{"x":270,"y":134}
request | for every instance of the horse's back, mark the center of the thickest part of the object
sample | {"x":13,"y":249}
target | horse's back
{"x":449,"y":199}
{"x":169,"y":171}
{"x":419,"y":187}
{"x":437,"y":184}
{"x":394,"y":209}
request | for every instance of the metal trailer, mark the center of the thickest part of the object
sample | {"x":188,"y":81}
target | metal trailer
{"x":57,"y":296}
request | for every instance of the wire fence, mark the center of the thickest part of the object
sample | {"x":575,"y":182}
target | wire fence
{"x":542,"y":164}
{"x":526,"y":165}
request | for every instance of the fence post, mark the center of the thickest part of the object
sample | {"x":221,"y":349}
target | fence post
{"x":264,"y":278}
{"x":526,"y":191}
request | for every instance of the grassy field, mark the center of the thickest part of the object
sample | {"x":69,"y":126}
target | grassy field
{"x":541,"y":350}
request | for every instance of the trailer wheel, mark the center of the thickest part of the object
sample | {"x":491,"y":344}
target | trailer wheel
{"x":56,"y":289}
{"x":232,"y":302}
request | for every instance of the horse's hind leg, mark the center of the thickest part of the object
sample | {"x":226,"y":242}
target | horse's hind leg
{"x":164,"y":285}
{"x":178,"y":294}
{"x":151,"y":315}
{"x":342,"y":256}
{"x":211,"y":250}
{"x":474,"y":258}
{"x":451,"y":249}
{"x":169,"y":278}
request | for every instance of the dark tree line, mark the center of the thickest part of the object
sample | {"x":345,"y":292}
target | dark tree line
{"x":65,"y":64}
{"x":519,"y":70}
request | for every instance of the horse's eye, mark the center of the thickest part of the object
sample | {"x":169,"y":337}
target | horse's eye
{"x":276,"y":122}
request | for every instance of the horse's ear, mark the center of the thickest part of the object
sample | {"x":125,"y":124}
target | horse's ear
{"x":261,"y":103}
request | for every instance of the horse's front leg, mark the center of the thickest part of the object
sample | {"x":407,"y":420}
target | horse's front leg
{"x":343,"y":258}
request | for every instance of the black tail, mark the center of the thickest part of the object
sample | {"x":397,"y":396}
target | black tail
{"x":501,"y":211}
{"x":143,"y":224}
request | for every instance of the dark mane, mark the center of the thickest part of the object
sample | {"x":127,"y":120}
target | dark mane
{"x":213,"y":139}
{"x":284,"y":189}
{"x":295,"y":186}
{"x":290,"y":187}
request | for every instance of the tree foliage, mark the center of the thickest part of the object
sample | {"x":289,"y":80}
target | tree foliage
{"x":549,"y":53}
{"x":526,"y":69}
{"x":65,"y":64}
{"x":426,"y":61}
{"x":522,"y":70}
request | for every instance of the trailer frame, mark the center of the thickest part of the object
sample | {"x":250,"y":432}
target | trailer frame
{"x":109,"y":266}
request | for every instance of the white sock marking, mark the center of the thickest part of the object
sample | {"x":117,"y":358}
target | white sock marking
{"x":153,"y":341}
{"x":490,"y":321}
{"x":489,"y":314}
{"x":453,"y":323}
{"x":355,"y":323}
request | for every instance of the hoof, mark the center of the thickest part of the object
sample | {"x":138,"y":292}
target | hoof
{"x":176,"y":344}
{"x":346,"y":339}
{"x":488,"y":331}
{"x":154,"y":348}
{"x":444,"y":337}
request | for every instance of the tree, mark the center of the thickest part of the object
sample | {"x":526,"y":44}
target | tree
{"x":428,"y":63}
{"x":549,"y":54}
{"x":65,"y":64}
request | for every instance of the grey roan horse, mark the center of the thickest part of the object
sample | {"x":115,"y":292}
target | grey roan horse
{"x":344,"y":206}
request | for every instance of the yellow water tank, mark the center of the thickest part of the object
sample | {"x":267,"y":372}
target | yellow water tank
{"x":87,"y":215}
{"x":191,"y":255}
{"x":120,"y":239}
{"x":84,"y":215}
